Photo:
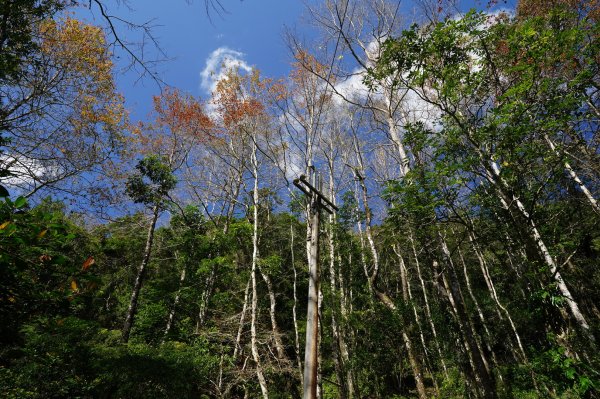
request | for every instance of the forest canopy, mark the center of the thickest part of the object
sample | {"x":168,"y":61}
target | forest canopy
{"x":172,"y":257}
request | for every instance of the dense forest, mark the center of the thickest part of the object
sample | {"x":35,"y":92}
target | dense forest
{"x":168,"y":258}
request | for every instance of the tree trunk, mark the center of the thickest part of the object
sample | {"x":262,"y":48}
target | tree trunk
{"x":139,"y":279}
{"x":484,"y":380}
{"x":427,"y":308}
{"x":374,"y":274}
{"x":408,"y":298}
{"x":174,"y":306}
{"x":254,"y":308}
{"x":294,"y":315}
{"x":274,"y":327}
{"x":484,"y":323}
{"x":338,"y":338}
{"x":593,"y":202}
{"x":343,"y":292}
{"x":536,"y":237}
{"x":238,"y":338}
{"x":490,"y":284}
{"x":205,"y":298}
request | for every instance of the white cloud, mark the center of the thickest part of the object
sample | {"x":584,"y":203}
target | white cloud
{"x":352,"y":88}
{"x":24,"y":172}
{"x":218,"y":63}
{"x":415,"y":109}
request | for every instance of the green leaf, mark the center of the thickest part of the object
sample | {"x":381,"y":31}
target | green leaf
{"x":20,"y":202}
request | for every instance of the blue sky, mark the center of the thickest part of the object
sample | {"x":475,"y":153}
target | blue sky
{"x":251,"y":29}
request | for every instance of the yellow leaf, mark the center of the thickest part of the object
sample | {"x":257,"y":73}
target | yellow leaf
{"x":11,"y":299}
{"x":74,"y":287}
{"x":42,"y":233}
{"x":3,"y":225}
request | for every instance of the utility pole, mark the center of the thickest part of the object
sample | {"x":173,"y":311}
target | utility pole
{"x":317,"y":202}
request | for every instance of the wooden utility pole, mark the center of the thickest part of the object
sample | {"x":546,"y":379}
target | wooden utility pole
{"x":317,"y":202}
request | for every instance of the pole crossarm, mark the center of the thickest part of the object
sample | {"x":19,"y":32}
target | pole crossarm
{"x":309,"y":190}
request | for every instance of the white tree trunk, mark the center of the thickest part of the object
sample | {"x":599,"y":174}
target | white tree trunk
{"x":492,"y":289}
{"x":501,"y":185}
{"x":274,"y":327}
{"x":294,"y":315}
{"x":593,"y":202}
{"x":175,"y":303}
{"x":254,"y":307}
{"x":479,"y":364}
{"x":139,"y":279}
{"x":383,"y":297}
{"x":338,"y":342}
{"x":427,"y":308}
{"x":238,"y":338}
{"x":482,"y":318}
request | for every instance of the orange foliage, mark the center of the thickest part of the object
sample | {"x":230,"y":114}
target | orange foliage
{"x":77,"y":47}
{"x":182,"y":113}
{"x":79,"y":55}
{"x":306,"y":63}
{"x":237,"y":99}
{"x":279,"y":90}
{"x":180,"y":121}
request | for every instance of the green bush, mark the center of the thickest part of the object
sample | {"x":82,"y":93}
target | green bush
{"x":74,"y":358}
